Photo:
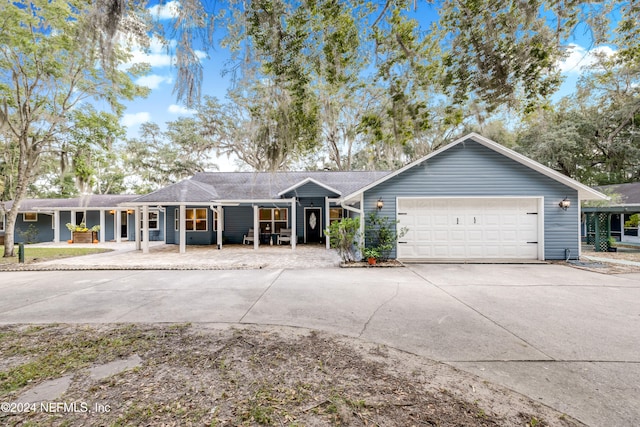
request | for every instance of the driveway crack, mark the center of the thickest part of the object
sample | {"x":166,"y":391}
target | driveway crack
{"x":387,"y":301}
{"x":470,"y":307}
{"x":261,"y":295}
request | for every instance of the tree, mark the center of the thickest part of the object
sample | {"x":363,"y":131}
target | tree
{"x":162,"y":158}
{"x":48,"y":68}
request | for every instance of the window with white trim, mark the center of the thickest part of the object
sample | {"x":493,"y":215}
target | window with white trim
{"x":153,"y":222}
{"x":195,"y":219}
{"x":30,"y":217}
{"x":335,"y":214}
{"x":273,"y":219}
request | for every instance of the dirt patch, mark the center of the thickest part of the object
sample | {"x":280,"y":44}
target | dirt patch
{"x":254,"y":376}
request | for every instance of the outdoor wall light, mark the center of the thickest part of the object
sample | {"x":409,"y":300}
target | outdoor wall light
{"x":379,"y":204}
{"x":565,"y":203}
{"x":112,"y":212}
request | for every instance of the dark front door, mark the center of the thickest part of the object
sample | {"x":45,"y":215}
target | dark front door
{"x":313,"y":225}
{"x":123,"y":224}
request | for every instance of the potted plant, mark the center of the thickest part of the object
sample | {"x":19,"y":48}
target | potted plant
{"x":371,"y":254}
{"x":81,"y":234}
{"x":611,"y":245}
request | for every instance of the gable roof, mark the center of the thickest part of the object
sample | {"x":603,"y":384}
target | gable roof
{"x":272,"y":185}
{"x":307,"y":181}
{"x":584,"y":192}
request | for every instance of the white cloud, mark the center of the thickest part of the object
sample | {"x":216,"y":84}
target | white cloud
{"x":168,"y":10}
{"x":579,"y":58}
{"x":179,"y":109}
{"x":157,"y":55}
{"x":153,"y":81}
{"x":135,"y":119}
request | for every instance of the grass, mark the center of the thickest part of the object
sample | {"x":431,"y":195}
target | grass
{"x":39,"y":254}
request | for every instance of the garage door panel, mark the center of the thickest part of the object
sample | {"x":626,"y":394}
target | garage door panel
{"x":469,"y":228}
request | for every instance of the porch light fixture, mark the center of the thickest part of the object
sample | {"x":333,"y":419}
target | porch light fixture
{"x":112,"y":212}
{"x":379,"y":204}
{"x":565,"y":203}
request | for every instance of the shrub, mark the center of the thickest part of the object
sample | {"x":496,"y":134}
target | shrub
{"x":343,"y":236}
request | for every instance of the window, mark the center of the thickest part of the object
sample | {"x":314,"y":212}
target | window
{"x":195,"y":219}
{"x":273,"y":219}
{"x":335,"y":214}
{"x":81,"y":218}
{"x":153,"y":221}
{"x":30,"y":217}
{"x":1,"y":221}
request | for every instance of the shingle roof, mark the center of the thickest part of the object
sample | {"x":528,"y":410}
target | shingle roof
{"x":89,"y":201}
{"x":185,"y":191}
{"x":630,"y":193}
{"x":267,"y":185}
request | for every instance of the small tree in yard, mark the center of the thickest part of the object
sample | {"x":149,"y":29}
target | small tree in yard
{"x":343,"y":236}
{"x":382,"y":234}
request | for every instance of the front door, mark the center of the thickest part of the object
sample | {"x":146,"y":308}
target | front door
{"x":123,"y":224}
{"x":313,"y":225}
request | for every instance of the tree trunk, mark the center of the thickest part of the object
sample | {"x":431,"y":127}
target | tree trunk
{"x":9,"y":232}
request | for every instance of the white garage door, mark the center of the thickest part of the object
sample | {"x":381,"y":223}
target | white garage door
{"x":468,"y":228}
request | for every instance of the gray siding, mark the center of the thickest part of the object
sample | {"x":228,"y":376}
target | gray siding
{"x":43,"y":231}
{"x":237,"y":222}
{"x":65,"y":218}
{"x":312,"y":190}
{"x":193,"y":237}
{"x":470,"y":169}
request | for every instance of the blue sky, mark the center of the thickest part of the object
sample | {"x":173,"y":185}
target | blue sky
{"x":161,"y":105}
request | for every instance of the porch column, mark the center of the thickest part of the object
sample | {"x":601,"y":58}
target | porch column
{"x":56,"y":226}
{"x":219,"y":227}
{"x":118,"y":230}
{"x":294,"y":225}
{"x":136,"y":227}
{"x":145,"y":228}
{"x":183,"y":229}
{"x":72,"y":220}
{"x":101,"y":225}
{"x":256,"y":228}
{"x":327,"y":214}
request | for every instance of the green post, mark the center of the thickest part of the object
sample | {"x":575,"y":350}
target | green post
{"x":21,"y":253}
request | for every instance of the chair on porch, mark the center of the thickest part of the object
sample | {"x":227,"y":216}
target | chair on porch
{"x":284,"y":236}
{"x":249,"y":237}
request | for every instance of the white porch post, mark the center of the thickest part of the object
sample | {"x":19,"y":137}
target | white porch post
{"x":56,"y":228}
{"x":101,"y":225}
{"x":294,"y":228}
{"x":219,"y":227}
{"x":136,"y":227}
{"x":183,"y":229}
{"x":256,"y":228}
{"x":326,"y":221}
{"x":72,"y":220}
{"x":118,"y":230}
{"x":145,"y":229}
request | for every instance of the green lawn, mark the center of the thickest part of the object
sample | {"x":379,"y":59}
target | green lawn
{"x":39,"y":254}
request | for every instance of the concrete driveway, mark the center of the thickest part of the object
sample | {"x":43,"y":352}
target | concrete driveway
{"x":566,"y":337}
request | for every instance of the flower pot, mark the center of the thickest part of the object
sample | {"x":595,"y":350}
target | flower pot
{"x":371,"y":260}
{"x":612,"y":249}
{"x":83,"y":237}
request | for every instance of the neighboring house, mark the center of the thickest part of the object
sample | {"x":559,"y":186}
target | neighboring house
{"x":469,"y":200}
{"x":44,"y":220}
{"x":609,"y":220}
{"x":472,"y":199}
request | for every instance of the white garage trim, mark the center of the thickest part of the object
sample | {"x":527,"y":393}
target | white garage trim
{"x":471,"y":227}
